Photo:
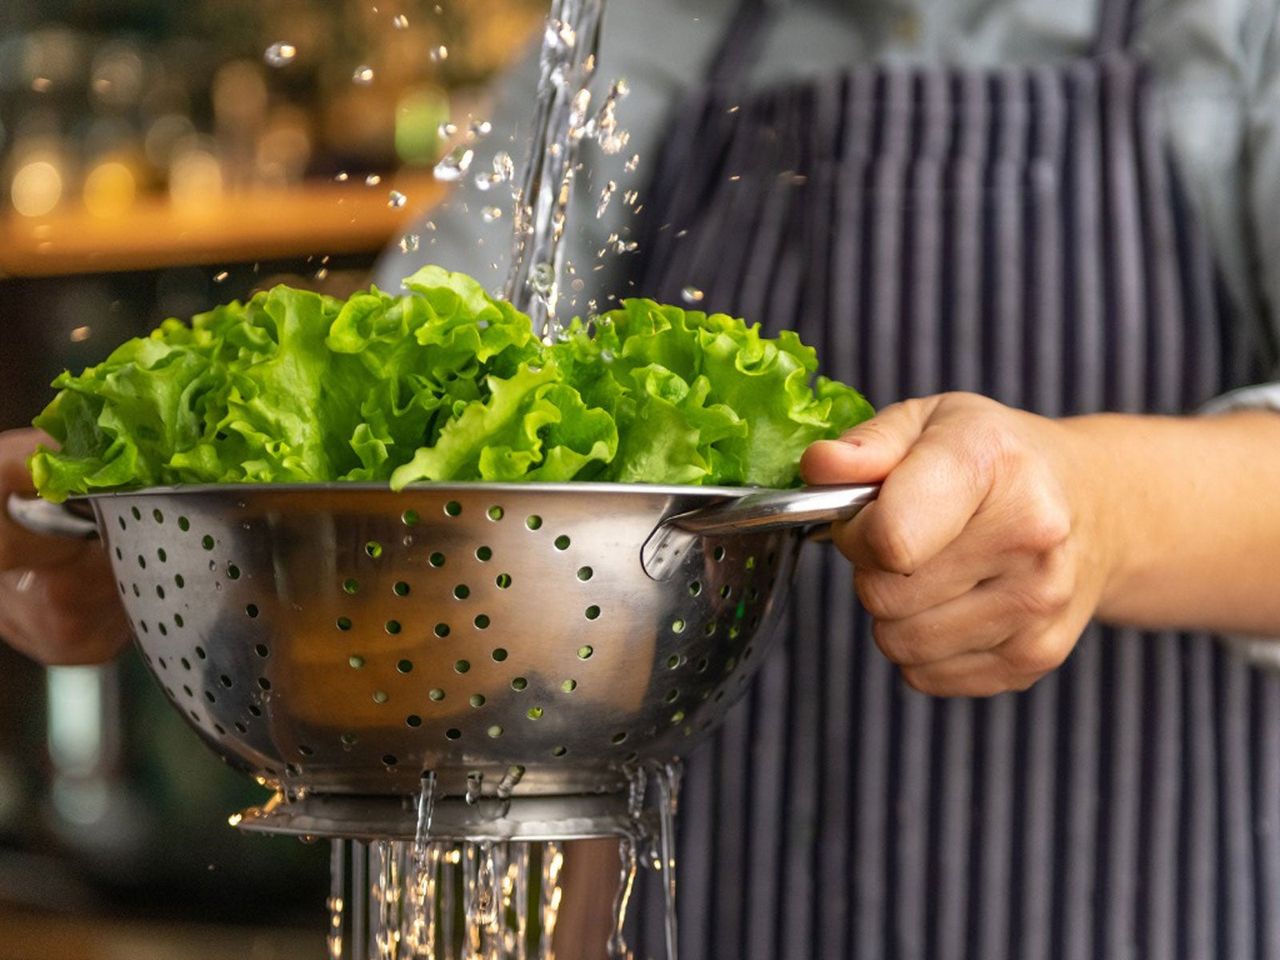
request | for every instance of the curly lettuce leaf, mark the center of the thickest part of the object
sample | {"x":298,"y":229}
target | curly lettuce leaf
{"x":440,"y":383}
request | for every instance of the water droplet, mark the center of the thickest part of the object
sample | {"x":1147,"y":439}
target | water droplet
{"x":372,"y":180}
{"x":543,"y":278}
{"x":280,"y":54}
{"x":691,"y":295}
{"x":633,"y":163}
{"x":322,"y":273}
{"x":503,"y":165}
{"x":439,"y":53}
{"x":446,"y":130}
{"x":220,"y":277}
{"x":410,"y":242}
{"x":560,"y":36}
{"x":363,"y":75}
{"x":342,"y":177}
{"x":400,"y":22}
{"x":606,"y":195}
{"x":481,"y":128}
{"x":490,"y":214}
{"x":396,"y":199}
{"x":455,"y":166}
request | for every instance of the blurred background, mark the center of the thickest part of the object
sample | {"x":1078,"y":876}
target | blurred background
{"x":157,"y":158}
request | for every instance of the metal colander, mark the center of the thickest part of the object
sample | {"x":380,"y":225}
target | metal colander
{"x":526,"y":642}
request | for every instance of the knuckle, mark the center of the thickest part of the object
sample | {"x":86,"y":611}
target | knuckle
{"x":1047,"y":595}
{"x":1046,"y":526}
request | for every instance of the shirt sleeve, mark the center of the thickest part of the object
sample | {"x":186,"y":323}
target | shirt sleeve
{"x":662,"y":48}
{"x":1261,"y":651}
{"x":1261,"y":72}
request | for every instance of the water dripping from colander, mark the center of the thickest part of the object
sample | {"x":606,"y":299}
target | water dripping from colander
{"x":618,"y":949}
{"x":337,"y":899}
{"x":667,"y":778}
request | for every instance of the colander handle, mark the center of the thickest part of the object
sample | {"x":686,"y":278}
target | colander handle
{"x":50,"y":519}
{"x":753,"y":513}
{"x":778,"y":510}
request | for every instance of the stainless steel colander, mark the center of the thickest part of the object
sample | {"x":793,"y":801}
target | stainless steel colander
{"x":525,"y":642}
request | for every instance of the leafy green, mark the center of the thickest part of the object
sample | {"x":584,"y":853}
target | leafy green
{"x":440,"y":383}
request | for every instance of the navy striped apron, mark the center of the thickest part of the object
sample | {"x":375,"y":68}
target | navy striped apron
{"x":1017,"y":233}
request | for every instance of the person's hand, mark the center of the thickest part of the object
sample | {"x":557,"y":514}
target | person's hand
{"x":58,"y":599}
{"x":985,"y":555}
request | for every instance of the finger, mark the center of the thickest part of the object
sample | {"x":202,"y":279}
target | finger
{"x":19,"y":547}
{"x":64,"y":615}
{"x":981,"y":674}
{"x":868,"y":452}
{"x":980,"y":620}
{"x":948,"y":576}
{"x":923,"y":505}
{"x":1015,"y":664}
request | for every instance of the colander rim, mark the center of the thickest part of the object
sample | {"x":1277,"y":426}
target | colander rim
{"x":585,"y":487}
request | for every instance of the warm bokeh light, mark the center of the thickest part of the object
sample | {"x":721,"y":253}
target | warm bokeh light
{"x":36,"y":188}
{"x":109,"y":190}
{"x":195,"y":178}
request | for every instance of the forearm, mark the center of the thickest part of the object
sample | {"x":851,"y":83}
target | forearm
{"x":1190,"y":510}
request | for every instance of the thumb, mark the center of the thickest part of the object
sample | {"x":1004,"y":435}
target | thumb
{"x":868,"y":452}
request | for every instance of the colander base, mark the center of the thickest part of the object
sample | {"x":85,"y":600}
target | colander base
{"x":531,"y":818}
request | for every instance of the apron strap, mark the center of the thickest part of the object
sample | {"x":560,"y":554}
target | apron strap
{"x":740,"y":45}
{"x":1116,"y":22}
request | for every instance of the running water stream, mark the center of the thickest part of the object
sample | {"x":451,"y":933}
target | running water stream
{"x":562,"y":119}
{"x":446,"y":900}
{"x":440,"y":899}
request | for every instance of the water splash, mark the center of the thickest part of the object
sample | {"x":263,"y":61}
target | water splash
{"x":604,"y":128}
{"x":606,"y":196}
{"x":363,"y":75}
{"x":691,"y":295}
{"x":439,"y":53}
{"x":396,"y":200}
{"x":400,"y":22}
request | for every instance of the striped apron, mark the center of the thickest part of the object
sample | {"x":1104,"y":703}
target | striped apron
{"x":1017,"y":233}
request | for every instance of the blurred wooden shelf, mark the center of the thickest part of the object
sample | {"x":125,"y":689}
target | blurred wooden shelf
{"x":262,"y":224}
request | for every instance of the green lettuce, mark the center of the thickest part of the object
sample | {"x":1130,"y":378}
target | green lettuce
{"x":439,"y":383}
